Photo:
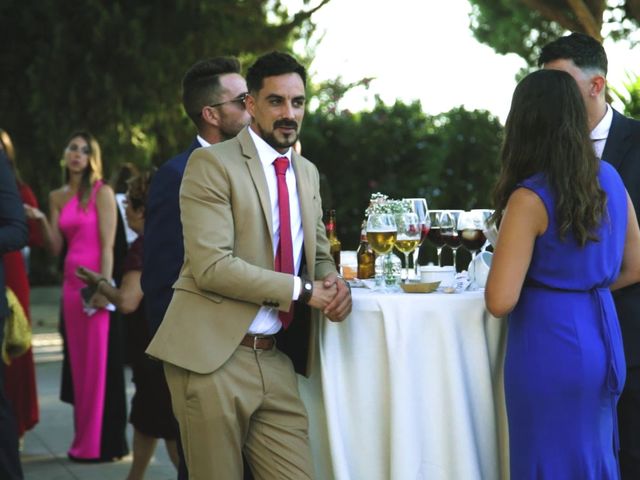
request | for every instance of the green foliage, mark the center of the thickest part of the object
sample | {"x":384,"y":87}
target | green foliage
{"x":630,"y":98}
{"x":508,"y":26}
{"x":115,"y":68}
{"x":514,"y":26}
{"x":398,"y":150}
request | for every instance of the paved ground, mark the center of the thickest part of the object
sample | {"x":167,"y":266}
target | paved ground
{"x":44,"y":456}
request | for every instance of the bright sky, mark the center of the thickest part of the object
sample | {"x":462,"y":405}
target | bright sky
{"x":423,"y":50}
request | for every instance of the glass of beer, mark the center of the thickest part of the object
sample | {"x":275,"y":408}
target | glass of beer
{"x":381,"y":233}
{"x":408,"y":237}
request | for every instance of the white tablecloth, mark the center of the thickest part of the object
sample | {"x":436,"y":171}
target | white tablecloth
{"x":409,"y":386}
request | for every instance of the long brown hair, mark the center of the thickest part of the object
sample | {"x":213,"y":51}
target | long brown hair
{"x":547,"y":132}
{"x":93,"y":172}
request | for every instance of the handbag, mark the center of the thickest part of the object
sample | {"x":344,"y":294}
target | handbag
{"x":17,"y":331}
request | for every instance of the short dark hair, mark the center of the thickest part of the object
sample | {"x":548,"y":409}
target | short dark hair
{"x":271,"y":65}
{"x":201,"y":84}
{"x":583,"y":50}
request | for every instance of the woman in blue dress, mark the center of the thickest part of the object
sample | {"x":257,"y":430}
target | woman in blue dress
{"x":568,"y":236}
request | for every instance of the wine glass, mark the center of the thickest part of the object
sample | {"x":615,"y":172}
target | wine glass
{"x":449,"y":231}
{"x":486,"y":215}
{"x":381,"y":233}
{"x":408,"y":236}
{"x":433,"y":235}
{"x":419,"y":207}
{"x":471,"y":226}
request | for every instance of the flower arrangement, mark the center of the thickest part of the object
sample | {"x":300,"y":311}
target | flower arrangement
{"x":381,"y":203}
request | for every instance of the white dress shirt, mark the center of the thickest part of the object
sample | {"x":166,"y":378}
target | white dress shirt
{"x":601,"y":131}
{"x":267,"y":321}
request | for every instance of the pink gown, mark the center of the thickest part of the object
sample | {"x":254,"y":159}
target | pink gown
{"x":86,"y":335}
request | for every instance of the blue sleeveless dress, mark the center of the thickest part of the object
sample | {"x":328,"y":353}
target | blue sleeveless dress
{"x":565,"y":367}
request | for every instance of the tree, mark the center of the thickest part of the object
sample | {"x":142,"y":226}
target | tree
{"x":115,"y":67}
{"x":524,"y":26}
{"x":450,"y":159}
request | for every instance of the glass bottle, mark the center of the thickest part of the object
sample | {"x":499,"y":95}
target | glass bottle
{"x":332,"y":235}
{"x":366,"y":256}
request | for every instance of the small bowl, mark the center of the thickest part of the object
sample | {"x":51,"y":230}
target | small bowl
{"x":419,"y":287}
{"x":432,"y":273}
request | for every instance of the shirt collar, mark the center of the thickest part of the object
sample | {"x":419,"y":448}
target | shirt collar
{"x":601,"y":130}
{"x":202,"y":141}
{"x":266,"y":152}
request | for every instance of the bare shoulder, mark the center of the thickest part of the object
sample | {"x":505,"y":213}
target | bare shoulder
{"x":526,"y":206}
{"x":525,"y":198}
{"x":105,"y":192}
{"x":59,"y":196}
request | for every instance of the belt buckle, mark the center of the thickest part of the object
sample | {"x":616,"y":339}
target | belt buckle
{"x":255,"y":342}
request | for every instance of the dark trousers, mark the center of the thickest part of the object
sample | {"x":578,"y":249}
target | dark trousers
{"x":10,"y":468}
{"x":629,"y":426}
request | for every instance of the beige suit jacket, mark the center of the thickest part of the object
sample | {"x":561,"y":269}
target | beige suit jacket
{"x":228,"y":271}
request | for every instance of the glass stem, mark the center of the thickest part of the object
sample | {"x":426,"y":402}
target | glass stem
{"x":406,"y":266}
{"x":439,"y":250}
{"x":455,"y":268}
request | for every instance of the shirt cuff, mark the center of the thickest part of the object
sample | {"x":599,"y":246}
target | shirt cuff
{"x":297,"y":283}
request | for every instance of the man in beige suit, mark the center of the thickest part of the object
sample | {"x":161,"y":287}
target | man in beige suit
{"x":254,"y":243}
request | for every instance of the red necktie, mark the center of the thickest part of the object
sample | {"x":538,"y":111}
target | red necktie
{"x":284,"y":252}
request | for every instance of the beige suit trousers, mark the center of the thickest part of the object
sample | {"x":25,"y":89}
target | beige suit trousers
{"x":252,"y":403}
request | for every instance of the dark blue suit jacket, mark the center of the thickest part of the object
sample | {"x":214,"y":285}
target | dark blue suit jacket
{"x":13,"y":226}
{"x":163,"y":245}
{"x":622,"y":150}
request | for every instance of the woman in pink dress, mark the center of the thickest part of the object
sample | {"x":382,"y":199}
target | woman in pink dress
{"x":83,"y":214}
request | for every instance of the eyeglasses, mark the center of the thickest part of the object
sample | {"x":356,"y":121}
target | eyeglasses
{"x":239,"y":100}
{"x":74,"y":148}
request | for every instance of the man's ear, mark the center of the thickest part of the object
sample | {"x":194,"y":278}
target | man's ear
{"x":250,"y":104}
{"x":210,"y":115}
{"x":598,"y":85}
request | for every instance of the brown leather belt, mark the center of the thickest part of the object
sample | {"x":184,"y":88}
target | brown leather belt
{"x":259,"y":342}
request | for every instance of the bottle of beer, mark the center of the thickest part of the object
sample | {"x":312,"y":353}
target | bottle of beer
{"x":334,"y":244}
{"x":366,"y":257}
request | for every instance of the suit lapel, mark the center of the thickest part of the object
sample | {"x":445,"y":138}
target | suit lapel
{"x":257,"y":176}
{"x":616,"y":145}
{"x":309,"y":220}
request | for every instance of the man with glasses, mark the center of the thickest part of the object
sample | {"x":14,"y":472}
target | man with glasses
{"x":213,"y":93}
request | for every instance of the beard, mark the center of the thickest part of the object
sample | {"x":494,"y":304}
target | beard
{"x":228,"y":130}
{"x":285,"y":141}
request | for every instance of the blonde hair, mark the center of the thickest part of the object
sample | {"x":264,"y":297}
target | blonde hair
{"x":93,"y":172}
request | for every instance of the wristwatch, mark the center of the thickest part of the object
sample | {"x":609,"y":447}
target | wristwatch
{"x":306,"y":290}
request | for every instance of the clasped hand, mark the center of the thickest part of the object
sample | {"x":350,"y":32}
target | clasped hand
{"x":333,"y":296}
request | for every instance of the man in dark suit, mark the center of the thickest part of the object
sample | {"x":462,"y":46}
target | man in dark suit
{"x":616,"y":139}
{"x":13,"y":236}
{"x":213,"y":93}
